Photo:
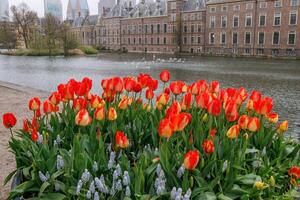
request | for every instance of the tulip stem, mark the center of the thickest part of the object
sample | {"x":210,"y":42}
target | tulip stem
{"x":11,"y":133}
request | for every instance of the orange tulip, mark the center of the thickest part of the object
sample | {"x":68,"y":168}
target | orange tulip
{"x":79,"y":104}
{"x":254,"y":124}
{"x":243,"y":122}
{"x":83,"y":118}
{"x":112,"y":114}
{"x":249,"y":105}
{"x":121,"y":140}
{"x":147,"y":107}
{"x":214,"y":107}
{"x":233,"y":132}
{"x":95,"y":101}
{"x":166,"y":128}
{"x":9,"y":120}
{"x":186,"y":101}
{"x":208,"y":146}
{"x":48,"y":107}
{"x":283,"y":127}
{"x":174,"y":108}
{"x":180,"y":121}
{"x":214,"y":86}
{"x":164,"y":76}
{"x":66,"y":91}
{"x":163,"y":99}
{"x":263,"y":106}
{"x":213,"y":132}
{"x":99,"y":114}
{"x":149,"y":94}
{"x":34,"y":104}
{"x":176,"y":87}
{"x":191,"y":159}
{"x":231,"y":110}
{"x":123,"y":103}
{"x":203,"y":99}
{"x":55,"y":98}
{"x":272,"y":117}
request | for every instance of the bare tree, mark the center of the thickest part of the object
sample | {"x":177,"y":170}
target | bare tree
{"x":25,"y":19}
{"x":51,"y":27}
{"x":69,"y":41}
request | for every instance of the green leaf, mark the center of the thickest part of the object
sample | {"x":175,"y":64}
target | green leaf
{"x":223,"y":197}
{"x":44,"y":187}
{"x":207,"y":196}
{"x":248,"y":179}
{"x":50,"y":196}
{"x":8,"y":178}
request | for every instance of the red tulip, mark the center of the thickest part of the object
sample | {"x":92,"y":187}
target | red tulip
{"x":34,"y":135}
{"x":164,"y":76}
{"x":176,"y":87}
{"x":231,"y":110}
{"x":9,"y":120}
{"x":243,"y":122}
{"x":195,"y":88}
{"x":180,"y":121}
{"x":294,"y":172}
{"x":79,"y":104}
{"x":174,"y":108}
{"x":167,"y":91}
{"x":117,"y":84}
{"x":166,"y":128}
{"x":129,"y":83}
{"x":203,"y":99}
{"x":263,"y":106}
{"x":149,"y":94}
{"x":163,"y":99}
{"x":48,"y":107}
{"x":144,"y":79}
{"x":121,"y":140}
{"x":215,"y":86}
{"x":55,"y":98}
{"x":34,"y":104}
{"x":66,"y":91}
{"x":214,"y":107}
{"x":152,"y":84}
{"x":191,"y":159}
{"x":272,"y":117}
{"x":83,"y":118}
{"x":123,"y":103}
{"x":208,"y":146}
{"x":255,"y":96}
{"x":26,"y":126}
{"x":35,"y":123}
{"x":137,"y":87}
{"x":233,"y":132}
{"x":213,"y":132}
{"x":254,"y":124}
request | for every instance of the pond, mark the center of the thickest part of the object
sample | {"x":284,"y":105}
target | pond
{"x":279,"y":79}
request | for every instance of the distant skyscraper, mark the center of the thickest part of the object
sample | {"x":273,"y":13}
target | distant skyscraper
{"x":4,"y":10}
{"x":104,"y":6}
{"x":54,"y":7}
{"x":77,"y":8}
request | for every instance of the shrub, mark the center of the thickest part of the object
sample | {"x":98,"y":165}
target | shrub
{"x":192,"y":142}
{"x":89,"y":50}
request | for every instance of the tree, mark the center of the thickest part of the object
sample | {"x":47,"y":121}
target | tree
{"x":69,"y":41}
{"x":8,"y":36}
{"x":25,"y":20}
{"x":51,"y":27}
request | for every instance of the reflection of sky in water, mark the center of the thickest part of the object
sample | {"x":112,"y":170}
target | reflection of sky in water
{"x":276,"y":78}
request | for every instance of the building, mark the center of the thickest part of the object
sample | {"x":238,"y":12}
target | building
{"x":253,"y":27}
{"x":213,"y":27}
{"x":53,"y":7}
{"x":77,"y":8}
{"x":4,"y":10}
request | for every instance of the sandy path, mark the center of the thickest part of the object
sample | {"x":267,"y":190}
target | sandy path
{"x":13,"y":98}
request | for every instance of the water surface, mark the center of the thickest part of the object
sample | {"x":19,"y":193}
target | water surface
{"x":279,"y":79}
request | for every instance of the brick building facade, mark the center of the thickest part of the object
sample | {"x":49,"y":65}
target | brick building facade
{"x":217,"y":27}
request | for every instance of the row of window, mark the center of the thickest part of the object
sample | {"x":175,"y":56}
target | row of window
{"x":249,"y":6}
{"x":291,"y":40}
{"x":248,"y":20}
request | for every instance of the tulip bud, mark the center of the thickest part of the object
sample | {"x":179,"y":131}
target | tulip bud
{"x":208,"y":146}
{"x":121,"y":140}
{"x":293,"y":182}
{"x":272,"y":181}
{"x":246,"y":136}
{"x":99,"y":114}
{"x":47,"y":107}
{"x":213,"y":132}
{"x":159,"y":106}
{"x":233,"y":132}
{"x":191,"y":159}
{"x":55,"y":98}
{"x":283,"y":127}
{"x":95,"y":101}
{"x":149,"y":94}
{"x":272,"y":117}
{"x":26,"y":127}
{"x":164,"y":76}
{"x":254,"y":124}
{"x":83,"y":118}
{"x":123,"y":104}
{"x":112,"y":114}
{"x":163,"y":98}
{"x":205,"y":118}
{"x":146,"y":107}
{"x":34,"y":104}
{"x":34,"y":134}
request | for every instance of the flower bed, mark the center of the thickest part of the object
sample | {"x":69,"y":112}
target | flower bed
{"x":192,"y":142}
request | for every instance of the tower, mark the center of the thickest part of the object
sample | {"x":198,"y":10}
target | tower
{"x":104,"y":6}
{"x":53,"y":7}
{"x":77,"y":8}
{"x":4,"y":10}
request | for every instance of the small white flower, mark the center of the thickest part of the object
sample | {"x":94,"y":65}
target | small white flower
{"x":57,"y":187}
{"x":111,"y":161}
{"x":42,"y":177}
{"x":92,"y":187}
{"x":127,"y":191}
{"x":95,"y":166}
{"x":59,"y":162}
{"x":78,"y":188}
{"x":86,"y":175}
{"x":225,"y":165}
{"x":180,"y":171}
{"x":96,"y":196}
{"x":88,"y":195}
{"x":126,"y":178}
{"x":119,"y":185}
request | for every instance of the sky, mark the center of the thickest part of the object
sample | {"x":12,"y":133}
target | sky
{"x":38,"y":5}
